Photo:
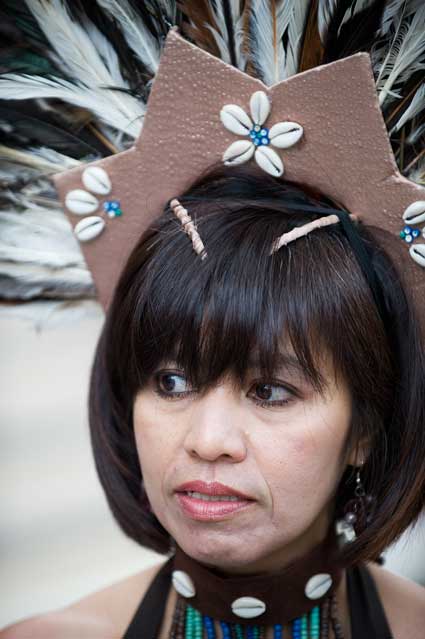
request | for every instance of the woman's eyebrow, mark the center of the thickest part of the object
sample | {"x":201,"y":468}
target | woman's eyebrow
{"x":283,"y":361}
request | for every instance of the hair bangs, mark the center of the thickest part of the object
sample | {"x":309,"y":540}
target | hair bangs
{"x":239,"y":310}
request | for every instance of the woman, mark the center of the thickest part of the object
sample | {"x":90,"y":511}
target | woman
{"x":256,"y":409}
{"x":274,"y":378}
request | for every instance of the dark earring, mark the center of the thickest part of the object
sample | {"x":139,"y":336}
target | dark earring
{"x":358,"y":512}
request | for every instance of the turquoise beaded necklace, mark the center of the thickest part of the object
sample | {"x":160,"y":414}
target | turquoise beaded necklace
{"x":190,"y":623}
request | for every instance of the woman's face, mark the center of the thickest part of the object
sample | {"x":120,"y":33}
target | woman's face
{"x":287,"y":458}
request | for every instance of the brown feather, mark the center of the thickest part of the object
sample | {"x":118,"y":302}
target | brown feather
{"x":311,"y":51}
{"x":199,"y":12}
{"x":250,"y":68}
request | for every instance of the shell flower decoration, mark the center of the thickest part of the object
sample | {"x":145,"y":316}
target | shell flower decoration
{"x":81,"y":202}
{"x":414,"y":214}
{"x":281,"y":135}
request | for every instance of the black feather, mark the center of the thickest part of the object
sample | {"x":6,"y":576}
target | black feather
{"x":29,"y":125}
{"x":358,"y":33}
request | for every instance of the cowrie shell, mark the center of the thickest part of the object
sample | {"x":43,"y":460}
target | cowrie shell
{"x":248,"y":607}
{"x":238,"y":152}
{"x":183,"y":583}
{"x":89,"y":227}
{"x":81,"y":202}
{"x":269,"y":160}
{"x":415,"y":213}
{"x":235,"y":119}
{"x":318,"y":585}
{"x":96,"y":180}
{"x":417,"y":252}
{"x":285,"y":134}
{"x":260,"y":107}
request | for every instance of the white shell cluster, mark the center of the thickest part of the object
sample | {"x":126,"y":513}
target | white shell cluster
{"x":281,"y":135}
{"x":415,"y":214}
{"x":82,"y":202}
{"x":318,"y":585}
{"x":183,"y":583}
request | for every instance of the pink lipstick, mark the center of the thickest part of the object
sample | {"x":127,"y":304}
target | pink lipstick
{"x":210,"y":502}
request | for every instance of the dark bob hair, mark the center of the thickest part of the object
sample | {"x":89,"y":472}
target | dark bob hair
{"x":209,"y":315}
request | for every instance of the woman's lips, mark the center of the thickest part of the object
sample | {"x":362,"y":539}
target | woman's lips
{"x":204,"y":510}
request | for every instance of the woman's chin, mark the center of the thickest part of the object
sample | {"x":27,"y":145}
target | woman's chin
{"x":222,"y":553}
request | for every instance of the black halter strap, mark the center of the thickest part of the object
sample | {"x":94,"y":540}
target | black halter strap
{"x":368,"y":617}
{"x":148,"y":617}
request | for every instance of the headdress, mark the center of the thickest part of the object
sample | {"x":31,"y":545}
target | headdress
{"x":123,"y":105}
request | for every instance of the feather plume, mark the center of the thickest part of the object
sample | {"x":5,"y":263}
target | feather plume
{"x":393,"y":11}
{"x":39,"y":255}
{"x":268,"y":23}
{"x":311,"y":47}
{"x":77,"y":76}
{"x":416,"y":106}
{"x":405,"y":56}
{"x":138,"y":37}
{"x":124,"y":114}
{"x":229,"y":34}
{"x":325,"y":12}
{"x":199,"y":24}
{"x":296,"y":22}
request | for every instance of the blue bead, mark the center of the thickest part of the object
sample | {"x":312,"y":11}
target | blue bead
{"x":416,"y":232}
{"x":407,"y":229}
{"x":264,"y":131}
{"x":265,"y":141}
{"x":257,"y":142}
{"x":408,"y":239}
{"x":252,"y":134}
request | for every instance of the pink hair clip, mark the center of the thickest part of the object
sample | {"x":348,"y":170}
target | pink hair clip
{"x":189,"y":227}
{"x":299,"y":231}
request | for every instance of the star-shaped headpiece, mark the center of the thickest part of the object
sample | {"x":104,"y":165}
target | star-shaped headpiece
{"x":328,"y":127}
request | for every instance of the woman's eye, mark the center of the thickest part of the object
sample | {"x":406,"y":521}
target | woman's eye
{"x":173,"y":386}
{"x":170,"y":385}
{"x":268,"y":394}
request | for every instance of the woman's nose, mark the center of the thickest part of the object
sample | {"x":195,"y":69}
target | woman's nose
{"x":215,"y":427}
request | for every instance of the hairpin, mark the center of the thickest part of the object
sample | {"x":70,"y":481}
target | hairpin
{"x":300,"y":231}
{"x":189,"y":227}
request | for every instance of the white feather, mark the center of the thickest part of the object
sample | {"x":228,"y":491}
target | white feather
{"x":40,"y":256}
{"x":416,"y":134}
{"x":96,"y":100}
{"x":416,"y":105}
{"x":418,"y":174}
{"x":136,"y":33}
{"x":78,"y":55}
{"x":406,"y":54}
{"x":392,"y":13}
{"x":271,"y":67}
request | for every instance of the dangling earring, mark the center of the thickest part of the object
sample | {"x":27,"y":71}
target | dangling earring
{"x":358,"y":512}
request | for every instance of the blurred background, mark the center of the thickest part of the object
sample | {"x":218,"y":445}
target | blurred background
{"x":58,"y":539}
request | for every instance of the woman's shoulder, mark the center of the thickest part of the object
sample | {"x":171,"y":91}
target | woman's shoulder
{"x":403,"y":601}
{"x":104,"y":614}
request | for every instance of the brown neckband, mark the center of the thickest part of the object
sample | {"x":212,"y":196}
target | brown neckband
{"x":282,"y":593}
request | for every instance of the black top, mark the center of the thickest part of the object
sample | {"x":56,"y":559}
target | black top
{"x":368,"y":618}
